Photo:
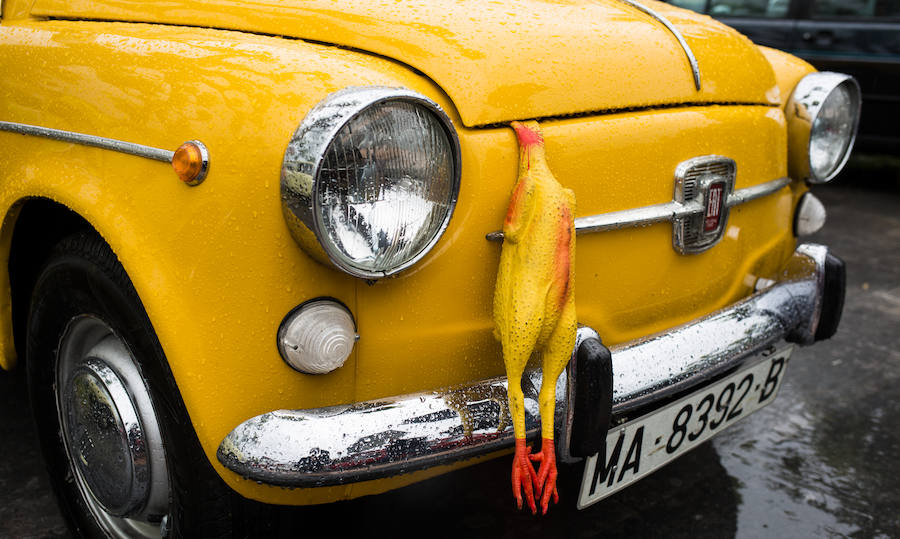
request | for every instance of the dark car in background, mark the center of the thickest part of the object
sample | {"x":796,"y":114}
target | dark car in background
{"x":857,"y":37}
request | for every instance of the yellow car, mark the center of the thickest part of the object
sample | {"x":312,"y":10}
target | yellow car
{"x":253,"y":245}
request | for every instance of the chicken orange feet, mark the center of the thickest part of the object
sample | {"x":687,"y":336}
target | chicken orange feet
{"x":546,"y":477}
{"x":523,"y":477}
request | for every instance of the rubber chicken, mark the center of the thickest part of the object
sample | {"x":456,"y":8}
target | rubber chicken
{"x":534,"y":305}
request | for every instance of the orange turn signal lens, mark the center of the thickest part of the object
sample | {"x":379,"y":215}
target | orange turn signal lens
{"x":191,"y":162}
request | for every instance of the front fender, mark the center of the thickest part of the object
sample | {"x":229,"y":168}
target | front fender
{"x":214,"y":265}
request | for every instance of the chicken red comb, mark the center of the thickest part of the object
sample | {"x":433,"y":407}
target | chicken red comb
{"x":528,"y":134}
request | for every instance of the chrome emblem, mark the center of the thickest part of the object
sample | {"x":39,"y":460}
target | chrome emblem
{"x":702,"y":186}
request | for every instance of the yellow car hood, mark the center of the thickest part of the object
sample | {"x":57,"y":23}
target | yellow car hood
{"x":499,"y":60}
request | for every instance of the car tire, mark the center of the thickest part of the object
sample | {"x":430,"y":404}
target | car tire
{"x":119,"y":446}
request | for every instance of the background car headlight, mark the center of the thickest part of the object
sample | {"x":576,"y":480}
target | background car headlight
{"x":370,"y":179}
{"x":823,"y":115}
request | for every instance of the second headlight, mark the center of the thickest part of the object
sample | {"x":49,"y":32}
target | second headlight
{"x":823,"y":114}
{"x":370,"y":179}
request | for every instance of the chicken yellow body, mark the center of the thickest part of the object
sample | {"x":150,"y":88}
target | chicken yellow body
{"x":534,"y":302}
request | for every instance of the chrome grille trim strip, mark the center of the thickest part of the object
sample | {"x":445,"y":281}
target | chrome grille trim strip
{"x":658,"y":213}
{"x":695,"y":68}
{"x":120,"y":146}
{"x":647,"y":215}
{"x":747,"y":194}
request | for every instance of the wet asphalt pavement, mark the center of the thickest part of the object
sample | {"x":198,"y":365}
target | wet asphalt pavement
{"x":822,"y":461}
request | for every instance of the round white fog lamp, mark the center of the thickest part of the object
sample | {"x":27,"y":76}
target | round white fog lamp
{"x":317,"y":337}
{"x":370,"y":179}
{"x":823,"y":116}
{"x":810,"y":216}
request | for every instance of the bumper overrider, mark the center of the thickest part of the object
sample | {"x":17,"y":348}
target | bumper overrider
{"x":395,"y":435}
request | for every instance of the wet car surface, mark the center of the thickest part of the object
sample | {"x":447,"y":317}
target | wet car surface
{"x":857,"y":37}
{"x":822,"y":460}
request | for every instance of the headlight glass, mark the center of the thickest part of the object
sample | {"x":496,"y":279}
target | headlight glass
{"x":831,"y":133}
{"x":385,"y":186}
{"x":823,"y":114}
{"x":372,"y":174}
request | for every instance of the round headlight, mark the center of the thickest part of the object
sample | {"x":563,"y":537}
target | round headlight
{"x":370,"y":179}
{"x":823,"y":115}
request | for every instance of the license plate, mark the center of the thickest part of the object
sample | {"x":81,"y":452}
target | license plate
{"x":639,"y":447}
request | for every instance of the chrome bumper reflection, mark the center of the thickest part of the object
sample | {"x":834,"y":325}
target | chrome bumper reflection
{"x":384,"y":437}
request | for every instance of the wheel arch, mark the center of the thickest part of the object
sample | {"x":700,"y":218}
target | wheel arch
{"x":31,"y":227}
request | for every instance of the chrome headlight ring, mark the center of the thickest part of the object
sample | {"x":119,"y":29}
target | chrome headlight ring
{"x":823,"y":117}
{"x":402,"y":145}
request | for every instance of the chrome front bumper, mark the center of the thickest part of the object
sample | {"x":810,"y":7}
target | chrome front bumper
{"x":390,"y":436}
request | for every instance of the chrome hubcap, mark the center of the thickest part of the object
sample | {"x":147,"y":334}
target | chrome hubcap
{"x":106,"y":438}
{"x":110,"y":430}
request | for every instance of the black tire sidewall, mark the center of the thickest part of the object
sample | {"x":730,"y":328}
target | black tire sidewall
{"x":83,"y":277}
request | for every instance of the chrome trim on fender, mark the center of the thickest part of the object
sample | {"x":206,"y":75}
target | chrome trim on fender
{"x":120,"y":146}
{"x":658,"y":213}
{"x":695,"y":68}
{"x":394,"y":435}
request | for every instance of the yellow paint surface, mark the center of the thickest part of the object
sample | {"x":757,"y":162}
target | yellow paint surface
{"x":498,"y":61}
{"x":217,"y":269}
{"x":788,"y":70}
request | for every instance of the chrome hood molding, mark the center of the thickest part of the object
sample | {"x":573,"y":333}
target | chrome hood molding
{"x":692,"y":60}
